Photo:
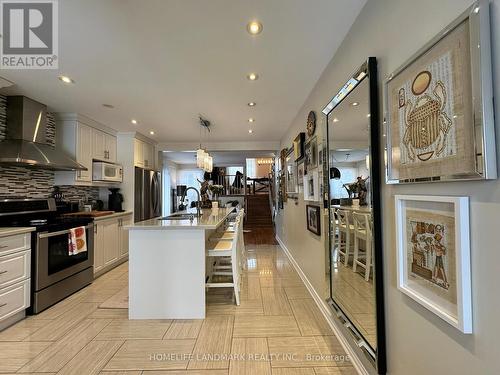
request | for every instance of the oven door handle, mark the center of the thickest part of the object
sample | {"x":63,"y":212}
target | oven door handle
{"x":58,"y":233}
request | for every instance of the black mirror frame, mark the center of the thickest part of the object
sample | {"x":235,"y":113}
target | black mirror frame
{"x":369,"y":68}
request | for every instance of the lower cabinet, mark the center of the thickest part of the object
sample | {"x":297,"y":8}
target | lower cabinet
{"x":110,"y":242}
{"x":15,"y":277}
{"x":123,"y":238}
{"x":111,"y":239}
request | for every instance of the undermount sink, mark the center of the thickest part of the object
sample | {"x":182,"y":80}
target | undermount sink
{"x":178,"y":217}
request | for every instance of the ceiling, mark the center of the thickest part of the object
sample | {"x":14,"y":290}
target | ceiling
{"x":349,"y":155}
{"x":163,"y":62}
{"x":349,"y":124}
{"x":221,"y":158}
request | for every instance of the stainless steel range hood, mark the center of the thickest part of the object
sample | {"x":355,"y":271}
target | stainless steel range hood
{"x":25,"y":144}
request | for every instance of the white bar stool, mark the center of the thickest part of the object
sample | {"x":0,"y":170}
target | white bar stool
{"x":226,"y":249}
{"x":345,"y":229}
{"x":362,"y":231}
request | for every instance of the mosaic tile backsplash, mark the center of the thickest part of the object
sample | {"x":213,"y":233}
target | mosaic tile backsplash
{"x":35,"y":182}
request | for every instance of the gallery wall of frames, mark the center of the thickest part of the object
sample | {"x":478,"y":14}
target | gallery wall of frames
{"x":437,"y":126}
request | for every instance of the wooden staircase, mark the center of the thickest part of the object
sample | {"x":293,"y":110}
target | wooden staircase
{"x":258,"y":213}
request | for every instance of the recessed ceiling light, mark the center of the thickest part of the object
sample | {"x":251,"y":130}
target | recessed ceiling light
{"x":250,"y":131}
{"x":335,"y":119}
{"x":254,"y":27}
{"x":252,"y":104}
{"x":152,"y":132}
{"x":251,"y":120}
{"x":110,"y":106}
{"x":253,"y":76}
{"x":354,"y":104}
{"x":133,"y":121}
{"x":369,"y":115}
{"x":66,"y":79}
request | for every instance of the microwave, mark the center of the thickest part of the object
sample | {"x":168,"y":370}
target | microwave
{"x":102,"y":171}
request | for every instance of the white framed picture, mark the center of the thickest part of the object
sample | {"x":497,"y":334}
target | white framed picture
{"x":433,"y":255}
{"x":311,"y":186}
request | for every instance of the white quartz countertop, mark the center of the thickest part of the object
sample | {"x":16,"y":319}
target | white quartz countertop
{"x":112,"y":216}
{"x":4,"y":232}
{"x":210,"y":219}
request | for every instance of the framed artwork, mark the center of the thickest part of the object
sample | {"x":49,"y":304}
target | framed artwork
{"x":433,"y":255}
{"x":298,"y":146}
{"x":439,"y":107}
{"x":311,"y":154}
{"x":311,"y":186}
{"x":283,"y":154}
{"x":300,"y":174}
{"x":313,"y":219}
{"x":291,"y":174}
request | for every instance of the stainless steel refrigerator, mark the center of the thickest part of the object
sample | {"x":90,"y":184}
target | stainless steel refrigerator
{"x":148,"y":194}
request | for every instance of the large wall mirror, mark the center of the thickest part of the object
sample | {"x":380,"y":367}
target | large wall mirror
{"x":355,"y":246}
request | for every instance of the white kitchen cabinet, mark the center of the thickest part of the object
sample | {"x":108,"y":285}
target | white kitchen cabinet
{"x":103,"y":146}
{"x":84,"y":151}
{"x":110,"y":146}
{"x":15,"y":277}
{"x":123,"y":235}
{"x":144,"y":154}
{"x":98,"y":147}
{"x":148,"y":154}
{"x":98,"y":246}
{"x":110,"y":242}
{"x":85,"y":140}
{"x":138,"y":153}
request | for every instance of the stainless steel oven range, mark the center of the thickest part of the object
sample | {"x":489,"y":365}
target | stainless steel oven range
{"x":54,"y":273}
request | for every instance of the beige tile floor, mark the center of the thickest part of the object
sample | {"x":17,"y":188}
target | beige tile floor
{"x":277,"y":330}
{"x":356,"y":297}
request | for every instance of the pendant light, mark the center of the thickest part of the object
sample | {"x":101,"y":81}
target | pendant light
{"x":203,"y":159}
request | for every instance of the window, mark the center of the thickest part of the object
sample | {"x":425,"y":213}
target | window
{"x":231,"y":171}
{"x":251,"y":168}
{"x":348,"y":175}
{"x":190,"y":177}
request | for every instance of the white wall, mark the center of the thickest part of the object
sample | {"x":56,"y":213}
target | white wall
{"x":418,"y":342}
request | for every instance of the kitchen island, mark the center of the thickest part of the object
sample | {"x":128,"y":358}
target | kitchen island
{"x":167,"y":265}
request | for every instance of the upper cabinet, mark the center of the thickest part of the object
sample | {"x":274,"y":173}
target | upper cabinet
{"x":110,"y":146}
{"x":138,"y":153}
{"x":103,"y":146}
{"x":144,"y":154}
{"x":82,"y":139}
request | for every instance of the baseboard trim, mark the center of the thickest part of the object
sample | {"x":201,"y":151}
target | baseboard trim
{"x":326,"y":311}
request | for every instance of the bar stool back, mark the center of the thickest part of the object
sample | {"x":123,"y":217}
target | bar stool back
{"x":362,"y":231}
{"x":345,"y":230}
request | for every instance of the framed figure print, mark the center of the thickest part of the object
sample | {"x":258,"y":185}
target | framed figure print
{"x":300,"y":174}
{"x":313,"y":219}
{"x":311,"y":154}
{"x":433,"y":255}
{"x":439,"y":107}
